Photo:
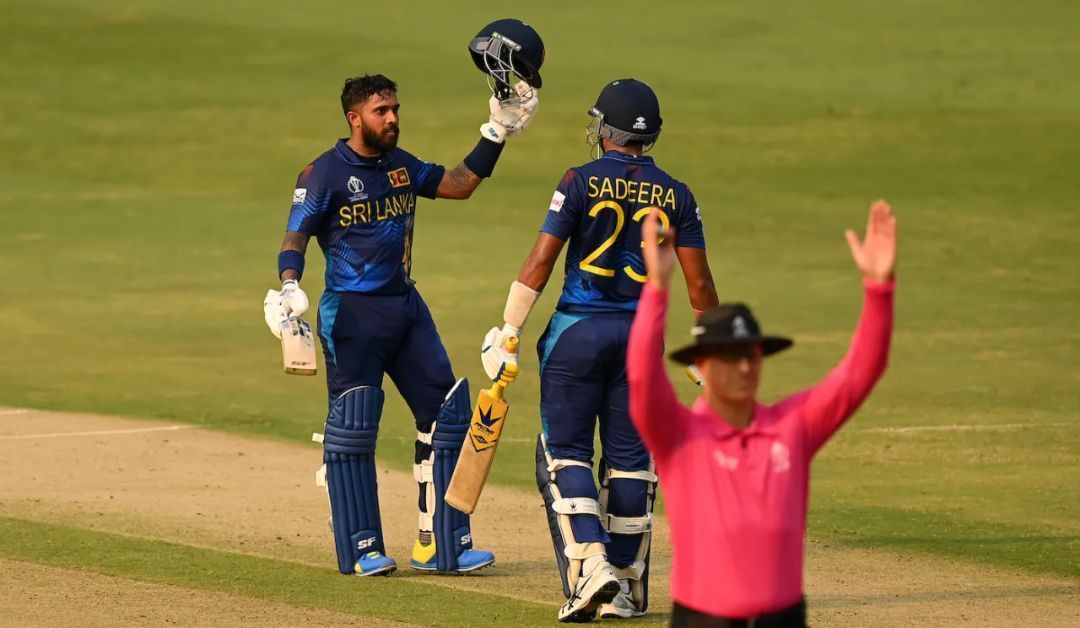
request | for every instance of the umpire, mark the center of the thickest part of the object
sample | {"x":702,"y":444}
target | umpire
{"x":735,"y":470}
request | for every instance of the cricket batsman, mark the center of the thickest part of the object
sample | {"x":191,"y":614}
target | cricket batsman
{"x":601,"y":538}
{"x":359,"y":201}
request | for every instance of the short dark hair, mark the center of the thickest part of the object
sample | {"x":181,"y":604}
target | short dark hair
{"x":360,"y":88}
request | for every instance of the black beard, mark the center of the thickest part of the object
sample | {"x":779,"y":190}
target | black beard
{"x":381,"y":143}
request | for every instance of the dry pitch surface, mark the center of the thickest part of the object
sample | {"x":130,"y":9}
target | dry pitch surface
{"x":246,"y":495}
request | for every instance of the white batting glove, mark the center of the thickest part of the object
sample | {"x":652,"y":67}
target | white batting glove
{"x":273,"y":312}
{"x":496,"y":354}
{"x":293,"y":298}
{"x":280,"y":304}
{"x":694,"y":374}
{"x":510,"y":117}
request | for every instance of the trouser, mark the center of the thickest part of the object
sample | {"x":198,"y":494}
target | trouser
{"x":365,"y":336}
{"x":792,"y":617}
{"x":583,"y":380}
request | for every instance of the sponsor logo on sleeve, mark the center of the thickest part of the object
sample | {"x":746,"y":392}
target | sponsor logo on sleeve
{"x":781,"y":458}
{"x":557,"y":201}
{"x":398,"y":178}
{"x":298,"y":195}
{"x":697,"y":212}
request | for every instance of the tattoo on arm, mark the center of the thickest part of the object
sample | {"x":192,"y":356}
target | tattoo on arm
{"x":295,"y":241}
{"x":458,"y":183}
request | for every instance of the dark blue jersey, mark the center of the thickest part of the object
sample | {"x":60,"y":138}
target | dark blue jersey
{"x":599,"y":208}
{"x":361,"y":210}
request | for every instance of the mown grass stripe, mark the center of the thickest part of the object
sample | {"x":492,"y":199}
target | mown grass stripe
{"x":907,"y":531}
{"x":397,"y":598}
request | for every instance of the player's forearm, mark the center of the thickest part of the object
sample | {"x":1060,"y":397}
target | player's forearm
{"x":536,"y":271}
{"x":459,"y":183}
{"x":291,"y":258}
{"x":699,"y":280}
{"x":702,"y":293}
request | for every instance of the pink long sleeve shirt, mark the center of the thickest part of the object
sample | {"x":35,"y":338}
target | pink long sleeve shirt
{"x":736,"y":499}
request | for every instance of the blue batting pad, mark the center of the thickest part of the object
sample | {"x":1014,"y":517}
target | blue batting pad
{"x":452,"y":533}
{"x":349,"y":454}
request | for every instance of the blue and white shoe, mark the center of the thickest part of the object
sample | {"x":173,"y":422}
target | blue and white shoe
{"x":423,"y":559}
{"x":374,"y":564}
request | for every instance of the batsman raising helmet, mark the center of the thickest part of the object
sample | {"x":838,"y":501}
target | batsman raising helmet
{"x":359,"y":200}
{"x":601,"y":538}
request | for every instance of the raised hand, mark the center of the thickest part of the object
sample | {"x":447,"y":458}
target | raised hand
{"x":875,"y":256}
{"x":510,"y":117}
{"x":658,"y":249}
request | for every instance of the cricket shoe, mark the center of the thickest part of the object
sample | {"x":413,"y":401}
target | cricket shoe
{"x":423,"y":559}
{"x":622,"y":607}
{"x":594,"y":590}
{"x":374,"y":564}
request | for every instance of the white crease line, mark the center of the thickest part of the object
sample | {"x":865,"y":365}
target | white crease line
{"x":984,"y":427}
{"x":141,"y":430}
{"x":10,"y":412}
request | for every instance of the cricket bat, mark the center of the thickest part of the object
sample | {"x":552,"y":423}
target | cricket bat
{"x":297,"y":346}
{"x":478,"y":453}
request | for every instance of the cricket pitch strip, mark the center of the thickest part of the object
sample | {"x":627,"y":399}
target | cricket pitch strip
{"x":245,"y":495}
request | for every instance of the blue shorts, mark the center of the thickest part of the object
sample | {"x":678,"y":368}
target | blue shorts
{"x":367,"y":335}
{"x":582,"y":378}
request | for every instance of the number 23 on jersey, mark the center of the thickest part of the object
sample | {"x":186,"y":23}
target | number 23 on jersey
{"x":587,"y":264}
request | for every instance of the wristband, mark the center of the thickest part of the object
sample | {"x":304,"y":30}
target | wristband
{"x":290,"y":259}
{"x":482,"y":158}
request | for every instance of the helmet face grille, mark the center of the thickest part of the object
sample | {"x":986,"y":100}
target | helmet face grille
{"x":503,"y":69}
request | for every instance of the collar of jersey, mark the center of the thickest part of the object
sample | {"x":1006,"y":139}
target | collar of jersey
{"x":627,"y":158}
{"x":763,"y":422}
{"x":351,"y":157}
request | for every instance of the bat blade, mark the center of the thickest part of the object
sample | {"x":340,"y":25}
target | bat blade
{"x":297,"y":347}
{"x":478,"y":454}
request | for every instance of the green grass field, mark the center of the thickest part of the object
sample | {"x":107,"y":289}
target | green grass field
{"x":148,"y":152}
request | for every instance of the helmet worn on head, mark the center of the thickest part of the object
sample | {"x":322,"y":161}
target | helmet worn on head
{"x":626,"y":111}
{"x":506,"y":48}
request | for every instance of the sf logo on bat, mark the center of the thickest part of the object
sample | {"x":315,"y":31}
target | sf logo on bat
{"x":486,"y":428}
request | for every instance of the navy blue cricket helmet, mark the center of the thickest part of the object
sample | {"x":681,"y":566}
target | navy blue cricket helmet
{"x":509,"y":47}
{"x":626,"y":111}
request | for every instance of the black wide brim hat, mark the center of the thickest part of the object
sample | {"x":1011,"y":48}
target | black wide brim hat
{"x":726,"y":325}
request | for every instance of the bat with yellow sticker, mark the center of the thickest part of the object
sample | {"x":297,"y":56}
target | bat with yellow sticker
{"x":478,"y":453}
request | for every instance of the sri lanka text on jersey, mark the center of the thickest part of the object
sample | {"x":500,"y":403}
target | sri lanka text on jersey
{"x":378,"y":209}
